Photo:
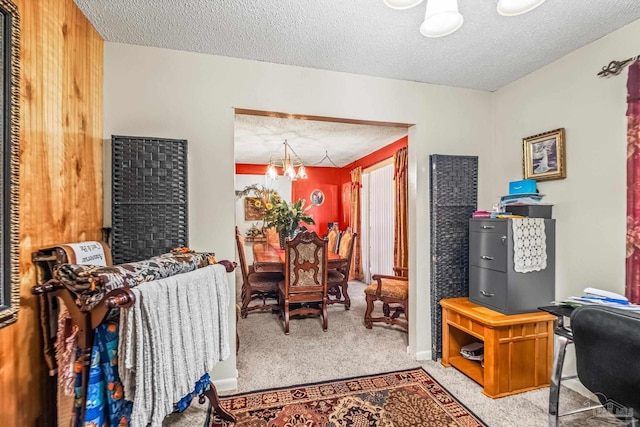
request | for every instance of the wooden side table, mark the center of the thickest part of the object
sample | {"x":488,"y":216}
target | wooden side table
{"x":518,"y":348}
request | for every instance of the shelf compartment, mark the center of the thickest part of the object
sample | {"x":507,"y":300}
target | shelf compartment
{"x":470,"y":368}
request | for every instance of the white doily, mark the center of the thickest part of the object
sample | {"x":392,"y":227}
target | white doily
{"x":529,"y":245}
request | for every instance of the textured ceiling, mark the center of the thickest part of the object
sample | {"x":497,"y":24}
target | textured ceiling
{"x":365,"y":36}
{"x":259,"y":138}
{"x":361,"y":37}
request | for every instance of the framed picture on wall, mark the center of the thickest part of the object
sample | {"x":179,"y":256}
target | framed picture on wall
{"x":317,"y":197}
{"x":253,"y":209}
{"x":543,"y":156}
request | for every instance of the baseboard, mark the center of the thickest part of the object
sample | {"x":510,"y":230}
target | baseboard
{"x":423,"y":355}
{"x":226,"y":384}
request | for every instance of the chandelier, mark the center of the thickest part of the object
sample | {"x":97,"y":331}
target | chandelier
{"x":442,"y":17}
{"x":288,"y":165}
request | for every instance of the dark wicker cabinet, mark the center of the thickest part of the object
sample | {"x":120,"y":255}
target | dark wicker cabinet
{"x":149,"y":197}
{"x":454,"y":194}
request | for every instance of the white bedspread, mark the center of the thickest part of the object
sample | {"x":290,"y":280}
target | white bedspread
{"x":176,"y":331}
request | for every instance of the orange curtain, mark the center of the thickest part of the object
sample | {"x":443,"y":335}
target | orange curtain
{"x":355,"y":273}
{"x":401,"y":235}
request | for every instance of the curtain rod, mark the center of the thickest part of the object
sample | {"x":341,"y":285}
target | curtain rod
{"x":615,"y":67}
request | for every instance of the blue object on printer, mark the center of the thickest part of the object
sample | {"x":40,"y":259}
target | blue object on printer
{"x":522,"y":186}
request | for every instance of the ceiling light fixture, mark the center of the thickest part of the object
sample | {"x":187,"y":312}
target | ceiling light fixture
{"x":288,"y":165}
{"x":402,"y":4}
{"x":442,"y":17}
{"x":517,"y":7}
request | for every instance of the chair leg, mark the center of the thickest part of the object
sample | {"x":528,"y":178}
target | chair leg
{"x":347,"y":300}
{"x":325,"y":321}
{"x":560,"y":347}
{"x":406,"y":312}
{"x":367,"y":314}
{"x":286,"y":316}
{"x":386,"y":310}
{"x":246,"y":299}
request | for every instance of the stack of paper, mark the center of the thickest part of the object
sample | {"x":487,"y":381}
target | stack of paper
{"x":594,"y":296}
{"x":521,"y":199}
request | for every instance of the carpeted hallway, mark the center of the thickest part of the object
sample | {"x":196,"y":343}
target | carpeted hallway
{"x":268,"y":358}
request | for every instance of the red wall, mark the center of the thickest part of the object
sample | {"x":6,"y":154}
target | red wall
{"x":366,"y":162}
{"x":326,"y":180}
{"x":377,"y":156}
{"x":334,"y":183}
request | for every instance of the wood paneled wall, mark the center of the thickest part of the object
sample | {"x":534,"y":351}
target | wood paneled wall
{"x":60,"y":174}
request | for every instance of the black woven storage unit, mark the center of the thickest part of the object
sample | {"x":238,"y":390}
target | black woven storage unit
{"x":149,"y":197}
{"x":454,"y":198}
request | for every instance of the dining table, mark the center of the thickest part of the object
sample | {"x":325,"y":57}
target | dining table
{"x":269,"y":258}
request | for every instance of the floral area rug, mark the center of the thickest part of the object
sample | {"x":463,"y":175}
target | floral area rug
{"x":404,"y":398}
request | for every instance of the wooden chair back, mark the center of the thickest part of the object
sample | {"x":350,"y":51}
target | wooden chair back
{"x":346,"y":244}
{"x":332,"y":240}
{"x":306,"y":266}
{"x":242,"y":256}
{"x":339,"y":282}
{"x":401,"y":271}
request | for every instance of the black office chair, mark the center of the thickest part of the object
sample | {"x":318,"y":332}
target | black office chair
{"x":607,"y":344}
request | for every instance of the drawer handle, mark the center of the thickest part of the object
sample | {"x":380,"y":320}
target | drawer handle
{"x":488,"y":227}
{"x":487,"y":294}
{"x":490,"y":258}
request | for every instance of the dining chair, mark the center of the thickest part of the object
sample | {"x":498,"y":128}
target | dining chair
{"x":338,"y":278}
{"x":393,"y":292}
{"x":332,"y":239}
{"x":304,"y":288}
{"x":256,"y":286}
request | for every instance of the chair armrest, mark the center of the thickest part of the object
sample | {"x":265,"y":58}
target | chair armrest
{"x":380,"y":277}
{"x":383,"y":276}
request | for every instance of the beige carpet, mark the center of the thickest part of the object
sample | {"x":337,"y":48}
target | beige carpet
{"x":268,"y":358}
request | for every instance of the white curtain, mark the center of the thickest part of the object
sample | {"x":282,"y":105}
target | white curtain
{"x":377,"y":218}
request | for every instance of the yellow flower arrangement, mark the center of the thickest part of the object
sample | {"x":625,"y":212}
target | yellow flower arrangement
{"x":285,"y":217}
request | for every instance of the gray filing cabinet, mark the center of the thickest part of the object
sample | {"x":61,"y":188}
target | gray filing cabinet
{"x":493,"y":282}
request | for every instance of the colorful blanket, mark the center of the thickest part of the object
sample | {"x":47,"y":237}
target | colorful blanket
{"x":90,"y":283}
{"x":106,"y":403}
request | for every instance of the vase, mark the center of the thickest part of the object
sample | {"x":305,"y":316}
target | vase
{"x":283,"y":235}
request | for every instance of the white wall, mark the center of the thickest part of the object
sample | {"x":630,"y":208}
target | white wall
{"x":590,"y":204}
{"x":159,"y":92}
{"x":281,"y":184}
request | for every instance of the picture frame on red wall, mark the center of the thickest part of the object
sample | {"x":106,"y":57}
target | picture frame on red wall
{"x":317,"y":197}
